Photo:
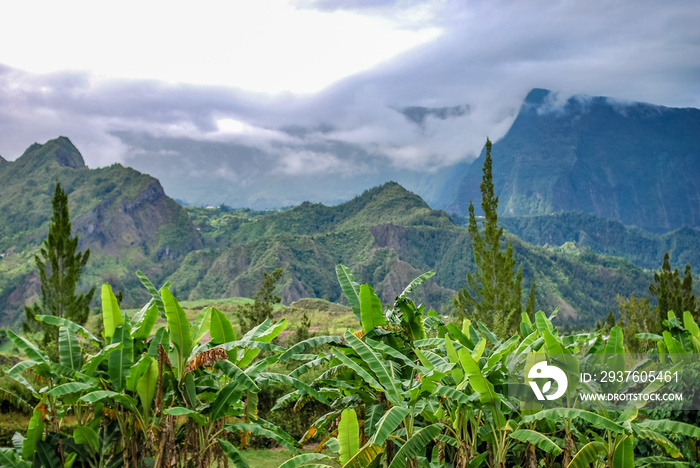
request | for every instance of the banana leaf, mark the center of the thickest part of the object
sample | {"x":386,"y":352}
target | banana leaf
{"x":69,"y":349}
{"x":376,"y":366}
{"x":370,"y":309}
{"x":146,"y":385}
{"x":181,"y":411}
{"x":72,"y":326}
{"x":537,"y":439}
{"x":85,"y":435}
{"x":34,"y":431}
{"x":303,"y":460}
{"x":144,"y":320}
{"x":417,"y":282}
{"x":153,"y":292}
{"x":259,"y":430}
{"x":415,"y":445}
{"x":556,"y":414}
{"x":587,"y":455}
{"x":179,"y":327}
{"x":70,"y":387}
{"x":119,"y":361}
{"x":310,"y":343}
{"x":348,"y":435}
{"x":672,"y":427}
{"x":365,"y":457}
{"x":232,"y":452}
{"x":350,"y":288}
{"x":660,"y":462}
{"x":220,"y":328}
{"x":388,"y":424}
{"x":111,"y":313}
{"x":32,"y":352}
{"x":624,"y":454}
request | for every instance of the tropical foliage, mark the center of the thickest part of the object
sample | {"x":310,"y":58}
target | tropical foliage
{"x":406,"y":389}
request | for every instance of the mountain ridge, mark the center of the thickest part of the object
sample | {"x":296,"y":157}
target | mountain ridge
{"x":635,"y":162}
{"x":610,"y":237}
{"x":387,"y":235}
{"x":123,"y":216}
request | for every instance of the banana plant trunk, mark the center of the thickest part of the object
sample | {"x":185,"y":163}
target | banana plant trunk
{"x":569,"y":448}
{"x":531,"y":457}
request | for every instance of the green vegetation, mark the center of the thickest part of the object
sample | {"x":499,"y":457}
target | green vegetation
{"x":404,"y":390}
{"x":60,"y":267}
{"x":263,"y":302}
{"x":308,"y":240}
{"x":387,"y":235}
{"x":494,"y":296}
{"x":606,"y":236}
{"x":647,"y":315}
{"x":121,"y":215}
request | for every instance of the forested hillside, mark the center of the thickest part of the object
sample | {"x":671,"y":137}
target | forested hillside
{"x":610,"y":237}
{"x":121,"y":215}
{"x":387,"y":235}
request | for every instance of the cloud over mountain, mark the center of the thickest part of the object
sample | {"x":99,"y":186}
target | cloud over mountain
{"x":486,"y":58}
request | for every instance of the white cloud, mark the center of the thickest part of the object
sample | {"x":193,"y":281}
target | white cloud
{"x":268,"y":46}
{"x":371,"y":58}
{"x":306,"y":163}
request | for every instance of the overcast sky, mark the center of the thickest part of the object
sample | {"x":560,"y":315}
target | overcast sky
{"x":292,"y":81}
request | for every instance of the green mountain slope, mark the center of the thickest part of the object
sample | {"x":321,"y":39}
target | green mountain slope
{"x":387,"y":236}
{"x":123,"y":216}
{"x":637,"y":163}
{"x":609,"y":237}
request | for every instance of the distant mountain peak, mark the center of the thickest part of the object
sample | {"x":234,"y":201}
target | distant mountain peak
{"x":61,"y":150}
{"x":389,"y":190}
{"x":537,"y":96}
{"x":634,"y":162}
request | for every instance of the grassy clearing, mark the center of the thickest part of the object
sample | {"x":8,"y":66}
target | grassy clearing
{"x":327,"y":318}
{"x":271,"y":458}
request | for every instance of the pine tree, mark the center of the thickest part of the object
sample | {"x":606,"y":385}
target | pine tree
{"x":494,"y":294}
{"x":530,"y":306}
{"x":689,"y":302}
{"x":261,"y":309}
{"x":672,"y":293}
{"x":60,"y":266}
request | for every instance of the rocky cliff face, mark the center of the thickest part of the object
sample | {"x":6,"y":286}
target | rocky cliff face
{"x":124,"y":218}
{"x":118,"y":223}
{"x":634,"y":162}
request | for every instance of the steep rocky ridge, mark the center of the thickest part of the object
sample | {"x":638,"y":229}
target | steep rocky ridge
{"x":634,"y":162}
{"x":123,"y":216}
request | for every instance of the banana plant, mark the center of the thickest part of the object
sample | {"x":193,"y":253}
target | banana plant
{"x":608,"y":438}
{"x":215,"y":381}
{"x":468,"y":398}
{"x":678,"y":338}
{"x":66,"y":383}
{"x":371,"y":372}
{"x":364,"y":372}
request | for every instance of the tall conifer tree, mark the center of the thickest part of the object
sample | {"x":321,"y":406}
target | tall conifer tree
{"x":494,"y":292}
{"x":60,"y":266}
{"x":672,"y":293}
